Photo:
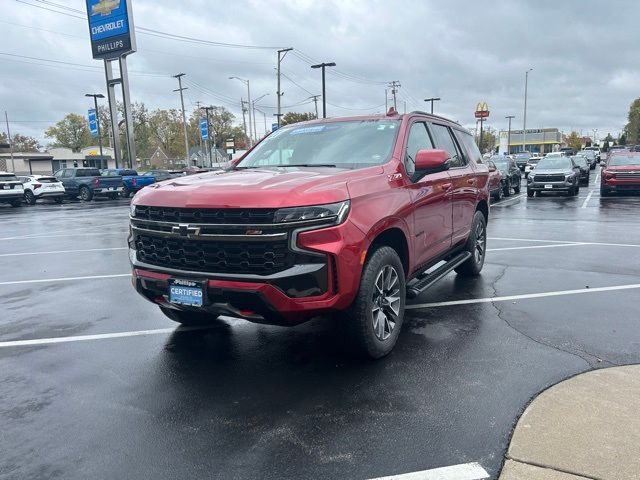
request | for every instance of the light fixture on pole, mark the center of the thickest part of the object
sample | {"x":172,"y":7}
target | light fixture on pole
{"x":255,"y":126}
{"x":248,"y":106}
{"x":96,"y":96}
{"x":324,"y":91}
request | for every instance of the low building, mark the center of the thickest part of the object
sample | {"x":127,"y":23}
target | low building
{"x":34,"y":163}
{"x":538,"y":140}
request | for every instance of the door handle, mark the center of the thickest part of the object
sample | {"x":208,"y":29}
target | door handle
{"x":446,"y":187}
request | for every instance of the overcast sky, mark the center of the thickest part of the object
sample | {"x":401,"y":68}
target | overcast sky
{"x":584,"y":55}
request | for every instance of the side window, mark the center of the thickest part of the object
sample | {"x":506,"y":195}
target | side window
{"x":418,"y":140}
{"x":469,"y":144}
{"x":444,"y":140}
{"x":67,"y":173}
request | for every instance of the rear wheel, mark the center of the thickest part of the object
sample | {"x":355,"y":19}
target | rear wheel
{"x":85,"y":194}
{"x":29,"y":197}
{"x":516,"y":187}
{"x":498,"y":195}
{"x":507,"y":188}
{"x":375,"y":317}
{"x":126,"y":193}
{"x":190,"y":319}
{"x":476,"y":245}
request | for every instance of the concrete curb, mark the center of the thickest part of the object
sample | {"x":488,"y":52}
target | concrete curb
{"x":585,"y":427}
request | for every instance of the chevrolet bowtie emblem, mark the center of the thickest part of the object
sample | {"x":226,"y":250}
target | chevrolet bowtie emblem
{"x":184,"y":230}
{"x":104,"y":7}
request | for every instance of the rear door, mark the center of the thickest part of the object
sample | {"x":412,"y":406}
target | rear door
{"x":431,"y":200}
{"x":463,"y":179}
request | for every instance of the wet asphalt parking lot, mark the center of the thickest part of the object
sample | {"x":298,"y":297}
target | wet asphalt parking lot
{"x":123,"y":393}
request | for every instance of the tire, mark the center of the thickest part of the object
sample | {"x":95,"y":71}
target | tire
{"x":190,"y":318}
{"x":576,"y":192}
{"x":477,"y":246}
{"x":29,"y":197}
{"x":498,"y":195}
{"x":530,"y":193}
{"x":85,"y":194}
{"x":516,"y":189}
{"x":375,"y":318}
{"x":58,"y":200}
{"x":507,"y":188}
{"x":126,"y":193}
{"x":16,"y":203}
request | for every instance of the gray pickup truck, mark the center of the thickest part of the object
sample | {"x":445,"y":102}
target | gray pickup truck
{"x":87,"y":183}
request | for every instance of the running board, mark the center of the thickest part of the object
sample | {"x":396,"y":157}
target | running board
{"x":419,"y":286}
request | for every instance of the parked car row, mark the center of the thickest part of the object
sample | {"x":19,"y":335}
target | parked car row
{"x":77,"y":182}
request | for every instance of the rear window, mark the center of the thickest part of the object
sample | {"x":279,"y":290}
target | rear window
{"x":128,"y":172}
{"x":622,"y":160}
{"x":8,"y":178}
{"x":47,"y":179}
{"x":88,"y":172}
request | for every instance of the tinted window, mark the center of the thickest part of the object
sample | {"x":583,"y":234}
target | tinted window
{"x":617,"y":160}
{"x":8,"y":178}
{"x":47,"y":180}
{"x":67,"y":173}
{"x":470,"y":145}
{"x":418,"y":140}
{"x":87,"y":172}
{"x":444,"y":140}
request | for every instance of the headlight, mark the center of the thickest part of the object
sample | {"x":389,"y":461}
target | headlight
{"x":132,"y":210}
{"x":332,"y":211}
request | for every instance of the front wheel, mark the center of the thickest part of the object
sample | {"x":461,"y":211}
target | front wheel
{"x":530,"y":193}
{"x":126,"y":193}
{"x":507,"y":188}
{"x":190,"y":318}
{"x":375,"y":317}
{"x":498,"y":195}
{"x":29,"y":197}
{"x":477,"y":246}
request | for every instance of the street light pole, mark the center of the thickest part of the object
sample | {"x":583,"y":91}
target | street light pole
{"x":248,"y":106}
{"x":96,"y":96}
{"x":255,"y":126}
{"x":324,"y":91}
{"x":184,"y":117}
{"x":509,"y":117}
{"x":435,"y":99}
{"x":281,"y":54}
{"x":524,"y":126}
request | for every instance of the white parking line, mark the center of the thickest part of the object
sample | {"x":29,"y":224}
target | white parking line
{"x":597,"y":178}
{"x":121,"y":233}
{"x":65,"y":279}
{"x":535,"y":246}
{"x":465,"y":471}
{"x":584,"y":204}
{"x":61,"y":251}
{"x":507,"y":200}
{"x":65,"y":231}
{"x":100,"y":336}
{"x":523,"y":297}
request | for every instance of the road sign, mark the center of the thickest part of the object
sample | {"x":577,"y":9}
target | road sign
{"x":204,"y":129}
{"x":111,"y":28}
{"x":93,"y":122}
{"x":274,"y":127}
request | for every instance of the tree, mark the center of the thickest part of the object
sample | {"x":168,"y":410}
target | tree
{"x":574,"y":141}
{"x":606,"y":141}
{"x":295,"y":117}
{"x":24,"y":143}
{"x":166,"y":130}
{"x":633,"y":127}
{"x":489,"y":140}
{"x":623,"y":139}
{"x":70,"y":132}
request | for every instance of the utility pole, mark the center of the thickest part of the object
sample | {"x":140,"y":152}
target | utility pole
{"x":434,"y":99}
{"x":96,"y":96}
{"x":386,"y":100}
{"x":324,"y":91}
{"x":255,"y":125}
{"x":509,"y":117}
{"x":184,"y":117}
{"x":394,"y":89}
{"x":198,"y":103}
{"x":244,"y":119}
{"x":13,"y":166}
{"x":315,"y":100}
{"x":281,"y":54}
{"x":524,"y":127}
{"x":246,"y":82}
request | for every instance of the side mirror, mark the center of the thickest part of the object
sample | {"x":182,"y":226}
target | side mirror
{"x":432,"y":160}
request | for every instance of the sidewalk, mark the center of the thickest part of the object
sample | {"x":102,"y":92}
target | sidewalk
{"x":585,"y":427}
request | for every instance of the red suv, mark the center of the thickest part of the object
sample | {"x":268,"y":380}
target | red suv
{"x":345,"y":216}
{"x":621,"y":173}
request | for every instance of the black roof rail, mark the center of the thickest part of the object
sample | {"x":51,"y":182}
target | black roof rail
{"x":420,"y":112}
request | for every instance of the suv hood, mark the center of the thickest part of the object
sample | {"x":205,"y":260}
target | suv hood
{"x":623,"y":168}
{"x":254,"y":188}
{"x":552,"y":171}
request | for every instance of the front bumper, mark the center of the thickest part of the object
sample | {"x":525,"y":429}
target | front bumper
{"x":50,"y":194}
{"x":550,"y":186}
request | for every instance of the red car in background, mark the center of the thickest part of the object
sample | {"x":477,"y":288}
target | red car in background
{"x":344,"y":216}
{"x":621,"y":173}
{"x":495,"y":181}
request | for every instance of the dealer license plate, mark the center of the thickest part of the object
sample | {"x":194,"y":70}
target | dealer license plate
{"x":548,"y":186}
{"x":186,"y":292}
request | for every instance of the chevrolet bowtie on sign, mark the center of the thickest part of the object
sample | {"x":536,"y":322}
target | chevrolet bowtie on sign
{"x":111,"y":28}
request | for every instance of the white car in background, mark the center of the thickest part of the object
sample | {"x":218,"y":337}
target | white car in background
{"x":42,"y":186}
{"x":10,"y":189}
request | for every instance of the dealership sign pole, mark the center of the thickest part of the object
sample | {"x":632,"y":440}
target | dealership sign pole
{"x":113,"y":38}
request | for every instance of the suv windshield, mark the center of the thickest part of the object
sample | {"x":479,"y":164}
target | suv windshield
{"x":349,"y":144}
{"x":554,"y":163}
{"x":621,"y":160}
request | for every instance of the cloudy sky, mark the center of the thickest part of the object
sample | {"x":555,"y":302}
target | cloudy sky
{"x":584,"y":55}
